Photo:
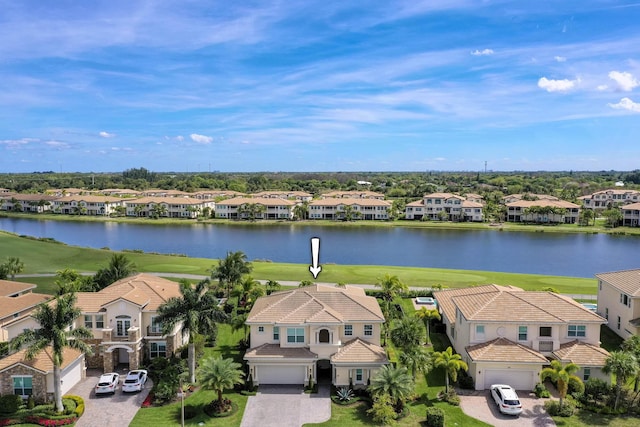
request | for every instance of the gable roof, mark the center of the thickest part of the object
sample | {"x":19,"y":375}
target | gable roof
{"x":360,"y":351}
{"x":10,"y":287}
{"x":581,"y":353}
{"x":316,"y":304}
{"x":145,"y":290}
{"x":43,"y":362}
{"x":445,"y":297}
{"x":16,"y":305}
{"x":265,"y":201}
{"x":504,"y":350}
{"x":274,"y":351}
{"x":628,"y":281}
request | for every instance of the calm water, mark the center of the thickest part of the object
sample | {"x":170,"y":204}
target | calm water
{"x":577,"y":255}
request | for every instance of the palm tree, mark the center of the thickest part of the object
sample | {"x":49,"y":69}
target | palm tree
{"x":393,"y":381}
{"x":272,"y":286}
{"x":119,"y":267}
{"x":427,"y":315}
{"x":219,"y":374}
{"x":407,"y":333}
{"x":238,"y":322}
{"x":391,"y":286}
{"x":301,"y":211}
{"x":623,"y":365}
{"x":249,"y":290}
{"x":632,"y":345}
{"x":14,"y":266}
{"x":561,"y":375}
{"x":418,"y":359}
{"x":231,"y":269}
{"x":56,"y":331}
{"x":451,"y":362}
{"x":196,"y":312}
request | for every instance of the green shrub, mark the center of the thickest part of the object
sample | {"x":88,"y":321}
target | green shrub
{"x":575,"y":385}
{"x":435,"y":417}
{"x":190,"y":411}
{"x":466,"y":382}
{"x":554,"y":409}
{"x":31,"y":402}
{"x":164,"y":391}
{"x":10,"y":403}
{"x":541,"y":391}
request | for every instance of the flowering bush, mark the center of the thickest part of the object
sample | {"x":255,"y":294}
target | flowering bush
{"x":47,"y":422}
{"x":148,"y":401}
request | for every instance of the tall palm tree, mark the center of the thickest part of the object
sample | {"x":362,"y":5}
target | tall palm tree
{"x":219,"y":374}
{"x":418,"y":359}
{"x":231,"y":269}
{"x":301,"y":211}
{"x":632,"y":345}
{"x":56,"y":320}
{"x":272,"y":286}
{"x":623,"y":365}
{"x":394,"y":381}
{"x":561,"y":375}
{"x":407,"y":333}
{"x":427,"y":315}
{"x":196,"y":312}
{"x":391,"y":286}
{"x":14,"y":266}
{"x":119,"y":267}
{"x":249,"y":290}
{"x":451,"y":362}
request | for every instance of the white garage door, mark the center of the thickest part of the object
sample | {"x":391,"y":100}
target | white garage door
{"x":275,"y":374}
{"x":71,"y":376}
{"x":520,"y":380}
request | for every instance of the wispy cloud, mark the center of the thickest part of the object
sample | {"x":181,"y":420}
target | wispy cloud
{"x":626,"y":104}
{"x":560,"y":58}
{"x":201,"y":139}
{"x":483,"y":52}
{"x":563,"y":85}
{"x":104,"y":134}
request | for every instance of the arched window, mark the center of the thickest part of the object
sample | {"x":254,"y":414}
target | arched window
{"x":323,"y":336}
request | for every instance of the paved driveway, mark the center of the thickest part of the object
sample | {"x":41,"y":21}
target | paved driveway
{"x":286,"y":406}
{"x":107,"y":410}
{"x":480,"y":405}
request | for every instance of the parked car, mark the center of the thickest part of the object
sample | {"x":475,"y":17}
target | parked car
{"x":507,"y":399}
{"x":108,"y":383}
{"x":134,"y":381}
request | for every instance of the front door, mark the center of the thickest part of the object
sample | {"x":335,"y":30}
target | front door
{"x":123,"y":356}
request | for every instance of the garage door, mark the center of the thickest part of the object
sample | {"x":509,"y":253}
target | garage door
{"x":71,"y":376}
{"x":520,"y":380}
{"x":275,"y":374}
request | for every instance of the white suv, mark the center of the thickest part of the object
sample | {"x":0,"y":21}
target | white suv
{"x":506,"y":399}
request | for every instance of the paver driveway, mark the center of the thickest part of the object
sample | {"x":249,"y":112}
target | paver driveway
{"x":480,"y":405}
{"x":286,"y":406}
{"x":107,"y":410}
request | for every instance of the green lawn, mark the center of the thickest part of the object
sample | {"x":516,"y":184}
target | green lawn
{"x":46,"y":257}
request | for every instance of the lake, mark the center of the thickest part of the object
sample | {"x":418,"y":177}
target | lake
{"x":576,"y":255}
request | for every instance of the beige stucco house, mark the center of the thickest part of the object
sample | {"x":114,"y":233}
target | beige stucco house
{"x":507,"y":335}
{"x":619,"y":301}
{"x":17,"y":300}
{"x":520,"y":211}
{"x":274,"y":208}
{"x":362,"y":208}
{"x":456,"y":207}
{"x":319,"y":332}
{"x":122,"y":320}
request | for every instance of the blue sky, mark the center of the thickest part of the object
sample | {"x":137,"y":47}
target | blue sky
{"x":404,"y":85}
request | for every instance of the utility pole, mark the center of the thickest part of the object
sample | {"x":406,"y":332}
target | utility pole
{"x":485,"y":166}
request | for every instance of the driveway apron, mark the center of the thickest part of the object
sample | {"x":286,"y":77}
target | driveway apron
{"x":480,"y":405}
{"x":108,"y":410}
{"x":286,"y":406}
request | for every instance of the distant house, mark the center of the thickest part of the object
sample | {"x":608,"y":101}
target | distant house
{"x":610,"y":198}
{"x":17,"y":300}
{"x":631,"y":215}
{"x":507,"y":335}
{"x":619,"y":301}
{"x":87,"y":205}
{"x":361,"y":208}
{"x":37,"y":203}
{"x":527,"y":196}
{"x":444,"y":206}
{"x":543,"y":211}
{"x":298,"y":196}
{"x":353,"y":194}
{"x":274,"y":208}
{"x":318,"y":332}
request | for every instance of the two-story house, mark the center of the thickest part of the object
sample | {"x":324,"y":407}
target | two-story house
{"x":631,"y":215}
{"x":507,"y":335}
{"x":543,"y":211}
{"x":610,"y":198}
{"x":336,"y":208}
{"x":447,"y":206}
{"x":122,"y":320}
{"x":17,"y":300}
{"x":619,"y":301}
{"x":274,"y":208}
{"x":353,"y":194}
{"x":319,"y":332}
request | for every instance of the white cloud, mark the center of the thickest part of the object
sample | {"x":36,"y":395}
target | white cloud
{"x":57,"y":144}
{"x":560,"y":58}
{"x":626,"y":104}
{"x":625,"y":81}
{"x":563,"y":85}
{"x":107,"y":134}
{"x":201,"y":139}
{"x":483,"y":52}
{"x":180,"y":138}
{"x":602,"y":87}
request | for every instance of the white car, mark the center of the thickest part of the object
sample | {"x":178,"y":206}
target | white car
{"x":108,"y":383}
{"x":134,"y":381}
{"x":506,"y":399}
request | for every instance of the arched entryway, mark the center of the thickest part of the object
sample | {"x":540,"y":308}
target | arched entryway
{"x":119,"y":358}
{"x":323,"y":371}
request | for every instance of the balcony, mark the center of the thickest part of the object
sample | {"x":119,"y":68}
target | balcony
{"x":154,"y":332}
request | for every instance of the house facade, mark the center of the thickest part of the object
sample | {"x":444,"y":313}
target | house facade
{"x":168,"y":207}
{"x":353,"y":194}
{"x":121,"y":318}
{"x":610,"y":198}
{"x":36,"y":203}
{"x":17,"y":300}
{"x":619,"y":301}
{"x":274,"y":208}
{"x":337,"y":209}
{"x":298,"y":196}
{"x":507,"y":335}
{"x":315,"y":332}
{"x":87,"y":205}
{"x":543,"y":211}
{"x":631,"y":215}
{"x":444,"y":206}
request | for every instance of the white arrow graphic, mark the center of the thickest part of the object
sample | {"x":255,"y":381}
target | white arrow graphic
{"x":314,"y":268}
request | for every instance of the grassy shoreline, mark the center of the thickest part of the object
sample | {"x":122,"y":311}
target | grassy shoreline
{"x":511,"y":227}
{"x":45,"y":257}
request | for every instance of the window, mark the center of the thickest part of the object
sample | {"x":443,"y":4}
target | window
{"x":99,"y":321}
{"x":577,"y":331}
{"x":156,"y":327}
{"x":545,"y":331}
{"x":368,"y":330}
{"x":123,"y":323}
{"x":158,"y":349}
{"x":260,"y":329}
{"x":23,"y":386}
{"x":348,"y":330}
{"x":276,"y":333}
{"x":295,"y":335}
{"x":88,"y":321}
{"x":480,"y":331}
{"x":618,"y":323}
{"x":606,"y":313}
{"x":522,"y":333}
{"x":586,"y":373}
{"x":358,"y":375}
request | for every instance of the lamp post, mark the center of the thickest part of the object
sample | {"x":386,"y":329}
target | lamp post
{"x":181,"y":395}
